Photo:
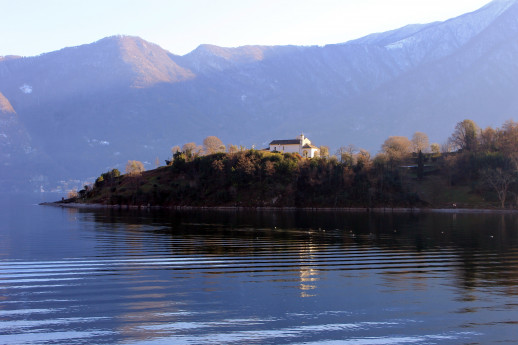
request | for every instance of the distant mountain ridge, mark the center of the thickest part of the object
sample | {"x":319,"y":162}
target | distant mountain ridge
{"x":86,"y":109}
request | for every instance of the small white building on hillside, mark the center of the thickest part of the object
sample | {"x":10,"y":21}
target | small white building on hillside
{"x":300,"y":145}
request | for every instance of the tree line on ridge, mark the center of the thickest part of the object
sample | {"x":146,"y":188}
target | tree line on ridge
{"x":405,"y":173}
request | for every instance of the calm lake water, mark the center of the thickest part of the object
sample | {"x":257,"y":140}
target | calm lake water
{"x":72,"y":276}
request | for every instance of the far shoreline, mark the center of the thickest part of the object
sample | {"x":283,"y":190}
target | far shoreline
{"x":283,"y":209}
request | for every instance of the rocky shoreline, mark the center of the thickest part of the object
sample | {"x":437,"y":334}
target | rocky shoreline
{"x":260,"y":208}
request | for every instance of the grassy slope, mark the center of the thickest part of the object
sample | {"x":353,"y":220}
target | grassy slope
{"x":438,"y":194}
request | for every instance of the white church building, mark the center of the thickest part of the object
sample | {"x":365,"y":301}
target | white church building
{"x":300,"y":145}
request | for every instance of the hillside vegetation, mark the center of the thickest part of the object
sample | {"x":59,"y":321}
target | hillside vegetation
{"x":476,"y":168}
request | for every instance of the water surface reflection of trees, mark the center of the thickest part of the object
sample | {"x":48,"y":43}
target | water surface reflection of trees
{"x":481,"y":248}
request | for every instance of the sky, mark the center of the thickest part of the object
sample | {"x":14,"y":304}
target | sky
{"x":33,"y":27}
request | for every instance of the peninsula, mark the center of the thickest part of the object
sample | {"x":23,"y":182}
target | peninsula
{"x":475,"y":169}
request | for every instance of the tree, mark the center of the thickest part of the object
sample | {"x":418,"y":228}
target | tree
{"x":134,"y":168}
{"x":420,"y":142}
{"x":363,"y":158}
{"x":436,"y":149}
{"x":269,"y":168}
{"x":396,"y":148}
{"x":218,"y":165}
{"x":212,"y":145}
{"x":191,"y":150}
{"x":232,"y":149}
{"x":346,"y":154}
{"x":508,"y":138}
{"x":324,"y":151}
{"x":488,"y":140}
{"x":380,"y":161}
{"x":465,"y":135}
{"x":99,"y":181}
{"x":448,"y":146}
{"x":499,"y":180}
{"x":420,"y":165}
{"x":175,"y":149}
{"x":115,"y":173}
{"x":107,"y":178}
{"x":448,"y":168}
{"x":72,"y":194}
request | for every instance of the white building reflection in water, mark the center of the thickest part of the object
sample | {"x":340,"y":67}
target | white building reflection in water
{"x":307,"y":274}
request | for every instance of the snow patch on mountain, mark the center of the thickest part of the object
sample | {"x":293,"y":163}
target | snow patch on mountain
{"x":97,"y":142}
{"x":402,"y":43}
{"x":437,"y":40}
{"x":25,"y":88}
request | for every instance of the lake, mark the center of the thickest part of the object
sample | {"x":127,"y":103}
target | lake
{"x":78,"y":276}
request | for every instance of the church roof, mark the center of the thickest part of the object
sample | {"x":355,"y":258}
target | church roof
{"x":286,"y":142}
{"x":309,"y":146}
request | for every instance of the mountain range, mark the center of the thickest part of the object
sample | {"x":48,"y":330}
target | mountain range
{"x":77,"y":112}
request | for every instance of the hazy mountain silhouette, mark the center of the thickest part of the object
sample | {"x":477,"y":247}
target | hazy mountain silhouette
{"x":79,"y":111}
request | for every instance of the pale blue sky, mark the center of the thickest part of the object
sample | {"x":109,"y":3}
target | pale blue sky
{"x":32,"y":27}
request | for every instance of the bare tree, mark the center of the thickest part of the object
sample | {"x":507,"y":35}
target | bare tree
{"x":232,"y":149}
{"x":363,"y":158}
{"x":488,"y":139}
{"x":380,"y":160}
{"x":134,"y":168}
{"x":499,"y":180}
{"x":72,"y":194}
{"x":191,"y":150}
{"x":396,"y":148}
{"x":175,"y":149}
{"x":420,"y":142}
{"x":436,"y":149}
{"x":448,"y":146}
{"x":508,"y":138}
{"x":324,"y":151}
{"x":212,"y":145}
{"x":346,"y":154}
{"x":465,"y":135}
